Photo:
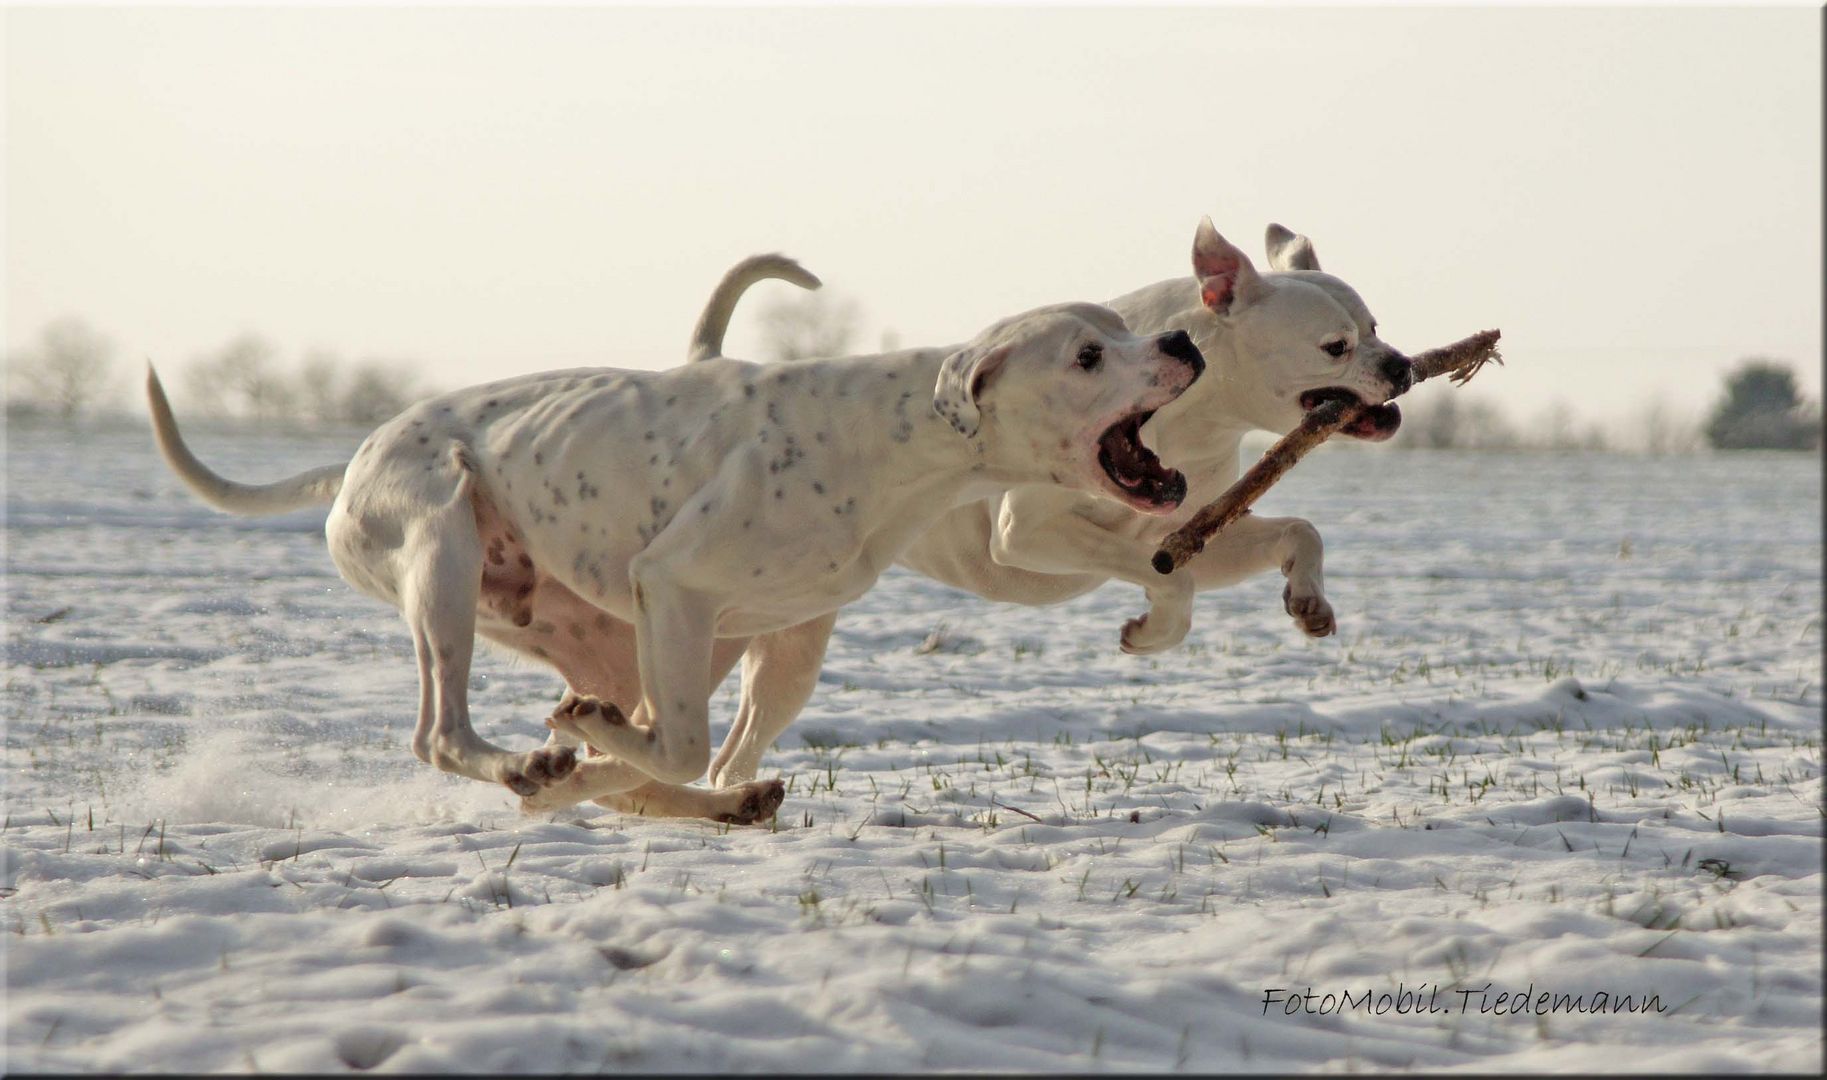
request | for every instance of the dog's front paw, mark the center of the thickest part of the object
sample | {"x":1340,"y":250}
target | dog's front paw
{"x":538,"y":769}
{"x":1310,"y":612}
{"x":756,"y":802}
{"x":1155,"y":631}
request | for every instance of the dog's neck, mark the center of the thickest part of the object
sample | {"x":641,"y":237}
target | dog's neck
{"x":910,"y":447}
{"x":907,"y":464}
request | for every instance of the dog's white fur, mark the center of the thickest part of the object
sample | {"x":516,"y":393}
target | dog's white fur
{"x":1265,"y":339}
{"x":705,"y":506}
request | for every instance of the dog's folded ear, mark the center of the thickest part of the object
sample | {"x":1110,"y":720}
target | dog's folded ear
{"x":962,"y":378}
{"x":1225,"y":273}
{"x":1289,"y":250}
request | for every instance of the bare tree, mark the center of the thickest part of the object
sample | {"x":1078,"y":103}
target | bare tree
{"x":1483,"y":426}
{"x":319,"y":391}
{"x":240,"y":380}
{"x":70,"y":367}
{"x":1553,"y":427}
{"x":1452,"y":421}
{"x":1660,"y":430}
{"x":818,"y":324}
{"x":377,"y":391}
{"x":1432,"y":424}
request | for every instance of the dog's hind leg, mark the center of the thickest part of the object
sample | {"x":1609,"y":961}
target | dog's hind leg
{"x":438,"y":593}
{"x":779,"y":673}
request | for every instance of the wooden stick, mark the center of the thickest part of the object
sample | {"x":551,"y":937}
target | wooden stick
{"x":1459,"y":361}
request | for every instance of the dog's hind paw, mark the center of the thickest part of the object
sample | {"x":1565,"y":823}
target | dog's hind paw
{"x":539,"y":769}
{"x":760,"y":799}
{"x":1311,"y":613}
{"x":580,"y":716}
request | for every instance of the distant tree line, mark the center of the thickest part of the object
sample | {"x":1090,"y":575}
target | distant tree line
{"x":71,"y":370}
{"x":1450,"y":420}
{"x":244,"y":380}
{"x":1760,"y":408}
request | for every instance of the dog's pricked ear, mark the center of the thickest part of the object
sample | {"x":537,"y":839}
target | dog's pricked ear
{"x":1224,"y":271}
{"x":1289,"y":250}
{"x":962,"y":377}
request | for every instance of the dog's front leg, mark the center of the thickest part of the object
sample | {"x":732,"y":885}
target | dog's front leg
{"x":1031,"y":536}
{"x":668,"y":737}
{"x":1252,"y":545}
{"x":734,"y":803}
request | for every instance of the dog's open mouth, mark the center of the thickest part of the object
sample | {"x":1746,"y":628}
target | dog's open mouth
{"x":1138,"y":473}
{"x":1377,"y":423}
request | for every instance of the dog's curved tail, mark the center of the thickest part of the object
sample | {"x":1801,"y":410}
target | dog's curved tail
{"x":312,"y":488}
{"x":707,"y":337}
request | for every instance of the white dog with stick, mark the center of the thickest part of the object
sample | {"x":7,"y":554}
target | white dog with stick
{"x":702,"y":506}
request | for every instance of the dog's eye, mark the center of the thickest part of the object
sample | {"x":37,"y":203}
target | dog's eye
{"x":1336,"y":348}
{"x":1091,"y":356}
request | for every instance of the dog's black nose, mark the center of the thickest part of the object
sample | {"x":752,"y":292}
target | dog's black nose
{"x":1399,"y":372}
{"x":1179,"y":345}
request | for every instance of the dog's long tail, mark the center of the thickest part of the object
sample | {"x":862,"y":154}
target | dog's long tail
{"x":707,"y":337}
{"x":306,"y":489}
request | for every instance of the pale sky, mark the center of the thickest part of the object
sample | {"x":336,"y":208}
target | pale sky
{"x":1633,"y":195}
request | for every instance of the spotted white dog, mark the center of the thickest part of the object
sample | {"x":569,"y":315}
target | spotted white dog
{"x":703,"y":506}
{"x":1279,"y":344}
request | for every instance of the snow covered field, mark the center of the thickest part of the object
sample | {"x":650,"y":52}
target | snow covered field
{"x":1568,"y":742}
